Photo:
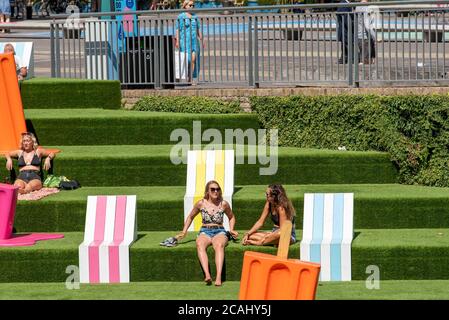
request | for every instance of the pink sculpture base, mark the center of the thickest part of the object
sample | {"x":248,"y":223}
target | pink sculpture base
{"x":28,"y":239}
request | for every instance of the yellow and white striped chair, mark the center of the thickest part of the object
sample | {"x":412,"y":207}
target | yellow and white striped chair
{"x":203,"y":166}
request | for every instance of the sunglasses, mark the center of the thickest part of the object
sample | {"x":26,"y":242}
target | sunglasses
{"x":214,"y":189}
{"x":26,"y":133}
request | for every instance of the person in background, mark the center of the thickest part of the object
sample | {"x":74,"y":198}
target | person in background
{"x":343,"y":20}
{"x":279,"y":208}
{"x":366,"y":34}
{"x":21,"y":68}
{"x":212,"y":208}
{"x":5,"y":13}
{"x":188,"y":38}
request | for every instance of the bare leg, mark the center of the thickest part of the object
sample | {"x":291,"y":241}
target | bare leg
{"x":256,"y":238}
{"x":21,"y":184}
{"x":33,"y":185}
{"x":261,"y":239}
{"x":193,"y":64}
{"x":219,"y":242}
{"x":202,"y":242}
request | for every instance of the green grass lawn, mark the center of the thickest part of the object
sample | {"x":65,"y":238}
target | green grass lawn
{"x":151,"y":165}
{"x":389,"y":290}
{"x":376,"y":206}
{"x":401,"y":254}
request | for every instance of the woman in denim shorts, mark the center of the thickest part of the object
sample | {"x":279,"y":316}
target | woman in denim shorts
{"x":29,"y":161}
{"x":212,"y":208}
{"x":280,"y":209}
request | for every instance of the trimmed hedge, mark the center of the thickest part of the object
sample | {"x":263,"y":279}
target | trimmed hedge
{"x":413,"y":129}
{"x":70,"y":93}
{"x":187,"y":105}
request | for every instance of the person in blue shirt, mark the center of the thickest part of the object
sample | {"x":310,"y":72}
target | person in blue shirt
{"x":189,"y":39}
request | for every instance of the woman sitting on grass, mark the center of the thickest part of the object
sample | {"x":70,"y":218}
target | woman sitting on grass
{"x":212,"y":208}
{"x":30,"y":157}
{"x":280,"y":209}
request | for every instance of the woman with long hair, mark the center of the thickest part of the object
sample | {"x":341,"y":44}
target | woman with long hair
{"x":280,"y":209}
{"x":212,"y":208}
{"x":29,"y":161}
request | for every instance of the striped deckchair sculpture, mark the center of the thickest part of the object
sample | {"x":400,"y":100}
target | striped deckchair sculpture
{"x":203,"y":166}
{"x":111,"y":228}
{"x":328,"y":233}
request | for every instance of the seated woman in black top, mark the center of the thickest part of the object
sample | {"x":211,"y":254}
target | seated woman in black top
{"x":280,"y":209}
{"x":30,"y":157}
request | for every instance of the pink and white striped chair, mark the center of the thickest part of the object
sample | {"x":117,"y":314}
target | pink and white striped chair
{"x":111,"y":228}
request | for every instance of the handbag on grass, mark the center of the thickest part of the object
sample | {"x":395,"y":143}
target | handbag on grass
{"x":180,"y":65}
{"x":53,"y":181}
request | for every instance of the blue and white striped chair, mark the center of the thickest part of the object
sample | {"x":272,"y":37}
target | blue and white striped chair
{"x":328,"y":233}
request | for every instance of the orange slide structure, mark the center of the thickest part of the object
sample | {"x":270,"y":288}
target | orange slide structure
{"x":12,"y":119}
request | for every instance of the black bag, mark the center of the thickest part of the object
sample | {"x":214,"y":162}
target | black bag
{"x":230,"y":236}
{"x":69,"y":185}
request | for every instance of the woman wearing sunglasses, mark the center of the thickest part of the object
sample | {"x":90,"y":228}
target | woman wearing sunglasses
{"x":212,"y":208}
{"x":29,"y":162}
{"x":279,"y":208}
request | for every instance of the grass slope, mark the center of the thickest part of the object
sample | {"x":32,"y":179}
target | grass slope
{"x":161,"y":208}
{"x":354,"y":290}
{"x":70,"y":93}
{"x":405,"y":254}
{"x":143,"y":165}
{"x":120,"y":127}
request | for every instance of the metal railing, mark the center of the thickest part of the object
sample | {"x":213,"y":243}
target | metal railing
{"x":379,"y":44}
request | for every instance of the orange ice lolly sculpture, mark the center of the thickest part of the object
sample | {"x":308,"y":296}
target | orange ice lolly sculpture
{"x":12,"y":119}
{"x":269,"y":277}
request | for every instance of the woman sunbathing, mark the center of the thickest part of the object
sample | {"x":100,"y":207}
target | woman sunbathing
{"x":29,"y":161}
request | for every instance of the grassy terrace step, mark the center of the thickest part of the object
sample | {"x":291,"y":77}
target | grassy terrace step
{"x":405,"y":254}
{"x":156,"y":290}
{"x":151,"y":165}
{"x":161,"y":208}
{"x":54,"y":93}
{"x":105,"y":127}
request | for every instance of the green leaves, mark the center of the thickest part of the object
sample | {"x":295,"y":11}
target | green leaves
{"x":414,"y":129}
{"x":187,"y":105}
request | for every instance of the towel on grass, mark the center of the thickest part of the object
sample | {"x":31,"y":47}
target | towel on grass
{"x":36,"y":195}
